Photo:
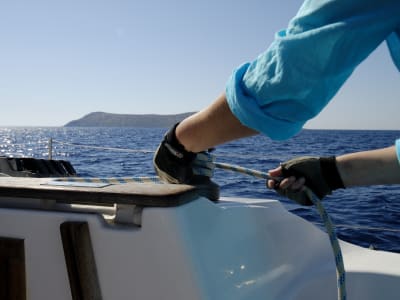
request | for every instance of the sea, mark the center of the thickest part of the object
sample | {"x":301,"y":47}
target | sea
{"x":365,"y":216}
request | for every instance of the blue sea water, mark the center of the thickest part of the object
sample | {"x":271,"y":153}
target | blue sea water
{"x":366,"y":216}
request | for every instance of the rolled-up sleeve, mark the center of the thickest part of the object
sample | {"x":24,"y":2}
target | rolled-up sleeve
{"x":393,"y":42}
{"x":306,"y":64}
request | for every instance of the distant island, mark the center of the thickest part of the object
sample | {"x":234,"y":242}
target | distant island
{"x":102,"y":119}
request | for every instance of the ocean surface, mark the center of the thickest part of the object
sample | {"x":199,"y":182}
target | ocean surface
{"x":366,"y":216}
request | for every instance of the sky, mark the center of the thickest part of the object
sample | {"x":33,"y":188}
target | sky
{"x":61,"y":60}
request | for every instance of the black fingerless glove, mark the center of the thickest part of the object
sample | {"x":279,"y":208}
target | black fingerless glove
{"x":321,"y":173}
{"x":174,"y":164}
{"x":171,"y":161}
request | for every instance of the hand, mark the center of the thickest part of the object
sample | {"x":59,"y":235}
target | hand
{"x":171,"y":161}
{"x":174,"y":164}
{"x":320,"y":174}
{"x":290,"y":187}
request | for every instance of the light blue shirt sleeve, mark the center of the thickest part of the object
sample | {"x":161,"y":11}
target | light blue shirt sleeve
{"x":306,"y":64}
{"x":393,"y":42}
{"x":398,"y":149}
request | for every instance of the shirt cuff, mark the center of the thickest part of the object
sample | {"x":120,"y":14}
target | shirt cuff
{"x":247,"y":110}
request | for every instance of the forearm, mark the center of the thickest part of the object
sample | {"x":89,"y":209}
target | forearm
{"x":210,"y":127}
{"x":369,"y":167}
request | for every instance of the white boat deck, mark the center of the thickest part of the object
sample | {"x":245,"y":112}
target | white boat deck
{"x":150,"y":241}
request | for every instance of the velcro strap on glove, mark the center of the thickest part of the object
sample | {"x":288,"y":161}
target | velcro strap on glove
{"x":176,"y":148}
{"x":330,"y":172}
{"x":321,"y":174}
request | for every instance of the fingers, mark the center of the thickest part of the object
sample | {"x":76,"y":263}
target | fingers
{"x":298,"y":184}
{"x":274,"y":173}
{"x":292,"y":183}
{"x":277,"y":172}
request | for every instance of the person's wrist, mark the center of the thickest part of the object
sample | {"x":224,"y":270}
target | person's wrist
{"x":330,"y":173}
{"x":171,"y":161}
{"x":176,"y":148}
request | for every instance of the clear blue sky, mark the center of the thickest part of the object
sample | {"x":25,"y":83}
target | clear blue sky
{"x":63,"y":59}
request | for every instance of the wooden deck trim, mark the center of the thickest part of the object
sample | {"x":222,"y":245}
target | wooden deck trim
{"x":143,"y":194}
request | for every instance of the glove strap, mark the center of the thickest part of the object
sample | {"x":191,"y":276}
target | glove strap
{"x":176,"y":148}
{"x":330,"y":172}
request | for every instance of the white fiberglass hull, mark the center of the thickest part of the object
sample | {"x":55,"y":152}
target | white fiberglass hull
{"x":234,"y":249}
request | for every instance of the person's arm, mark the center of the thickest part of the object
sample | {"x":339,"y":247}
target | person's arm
{"x":180,"y":156}
{"x":286,"y":85}
{"x":369,"y":167}
{"x":365,"y":168}
{"x":210,"y":127}
{"x":293,"y":80}
{"x":307,"y":63}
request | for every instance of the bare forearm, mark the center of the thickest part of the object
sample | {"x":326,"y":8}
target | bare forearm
{"x":210,"y":127}
{"x":369,"y":167}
